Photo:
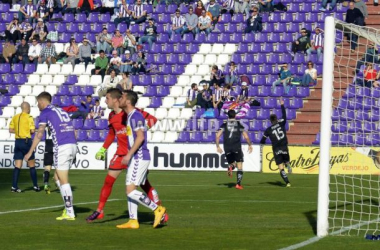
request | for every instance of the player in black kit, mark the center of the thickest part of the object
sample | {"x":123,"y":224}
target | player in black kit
{"x":232,"y":131}
{"x":277,"y":135}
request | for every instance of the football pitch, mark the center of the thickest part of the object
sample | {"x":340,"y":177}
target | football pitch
{"x":205,"y":211}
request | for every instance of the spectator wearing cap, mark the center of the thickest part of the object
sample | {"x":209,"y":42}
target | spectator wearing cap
{"x":117,"y":42}
{"x":316,"y":43}
{"x":214,"y":8}
{"x":254,"y":22}
{"x":191,"y":97}
{"x":204,"y":23}
{"x":22,"y":53}
{"x":84,"y":54}
{"x":71,"y":7}
{"x":217,"y":96}
{"x":232,"y":77}
{"x":191,"y":22}
{"x":13,"y":31}
{"x":103,"y":41}
{"x":48,"y":53}
{"x":40,"y":31}
{"x":86,"y":6}
{"x":284,"y":79}
{"x":26,"y":30}
{"x":139,"y":65}
{"x":150,"y":34}
{"x":34,"y":52}
{"x":124,"y":14}
{"x":217,"y":75}
{"x":266,"y":5}
{"x":138,"y":13}
{"x":71,"y":52}
{"x":101,"y":63}
{"x":126,"y":66}
{"x":27,"y":12}
{"x":115,"y":62}
{"x":228,"y":6}
{"x":178,"y":23}
{"x":204,"y":97}
{"x":129,"y":43}
{"x":9,"y":51}
{"x":243,"y":95}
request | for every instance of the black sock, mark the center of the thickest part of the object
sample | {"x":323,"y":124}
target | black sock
{"x":16,"y":174}
{"x":33,"y":175}
{"x":46,"y":177}
{"x":239,"y":176}
{"x":284,"y":176}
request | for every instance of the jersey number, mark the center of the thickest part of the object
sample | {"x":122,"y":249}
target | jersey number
{"x":63,"y":116}
{"x":279,"y":133}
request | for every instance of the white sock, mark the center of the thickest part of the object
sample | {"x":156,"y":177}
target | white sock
{"x":132,"y":209}
{"x":142,"y":199}
{"x":363,"y":150}
{"x":67,"y":196}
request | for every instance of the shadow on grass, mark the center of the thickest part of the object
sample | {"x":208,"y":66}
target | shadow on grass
{"x":274,"y":183}
{"x":144,"y":218}
{"x":229,"y":185}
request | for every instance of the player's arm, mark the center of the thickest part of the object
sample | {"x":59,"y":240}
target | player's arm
{"x":140,"y":137}
{"x":12,"y":127}
{"x":31,"y":125}
{"x":37,"y":138}
{"x":265,"y":136}
{"x":283,"y":113}
{"x":217,"y":139}
{"x":101,"y":154}
{"x":246,"y":137}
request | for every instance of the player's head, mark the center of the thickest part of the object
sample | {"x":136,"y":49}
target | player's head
{"x":273,"y":118}
{"x":25,"y":107}
{"x":128,"y":99}
{"x":43,"y":100}
{"x":231,"y":114}
{"x":112,"y":98}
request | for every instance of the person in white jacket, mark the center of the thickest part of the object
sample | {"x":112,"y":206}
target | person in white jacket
{"x":108,"y":83}
{"x":34,"y":52}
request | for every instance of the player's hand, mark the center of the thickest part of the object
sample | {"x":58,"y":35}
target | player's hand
{"x":126,"y":159}
{"x":101,"y":154}
{"x":219,"y":150}
{"x":27,"y":156}
{"x":250,"y":149}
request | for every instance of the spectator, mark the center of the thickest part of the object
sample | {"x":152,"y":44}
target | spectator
{"x":125,"y":83}
{"x":84,"y":54}
{"x":110,"y":82}
{"x":191,"y":22}
{"x":150,"y":34}
{"x":124,"y":14}
{"x":34,"y":52}
{"x":85,"y":6}
{"x":216,"y":76}
{"x":40,"y":31}
{"x":200,"y":7}
{"x":48,"y":53}
{"x":204,"y":23}
{"x":204,"y":97}
{"x":191,"y":99}
{"x":26,"y":30}
{"x":177,"y":2}
{"x":117,"y":42}
{"x":316,"y":43}
{"x":240,"y":6}
{"x":107,"y":6}
{"x":266,"y":5}
{"x":370,"y":75}
{"x":254,"y":22}
{"x":232,"y":76}
{"x":302,"y":43}
{"x":84,"y":109}
{"x":27,"y":12}
{"x":101,"y":63}
{"x":22,"y":53}
{"x":217,"y":97}
{"x":354,"y":16}
{"x":359,"y":4}
{"x":227,"y":93}
{"x":103,"y":41}
{"x":310,"y":76}
{"x":13,"y":31}
{"x":71,"y":52}
{"x":56,"y":6}
{"x":129,"y":43}
{"x":115,"y":63}
{"x":178,"y":23}
{"x":126,"y":66}
{"x":42,"y":11}
{"x":243,"y":96}
{"x":138,"y":13}
{"x":369,"y":56}
{"x":96,"y":111}
{"x":228,"y":6}
{"x":285,"y":78}
{"x":214,"y":9}
{"x":72,"y":7}
{"x":139,"y":65}
{"x":9,"y":50}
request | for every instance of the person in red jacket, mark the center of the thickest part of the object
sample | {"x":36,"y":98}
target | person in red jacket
{"x":117,"y":128}
{"x":86,"y":6}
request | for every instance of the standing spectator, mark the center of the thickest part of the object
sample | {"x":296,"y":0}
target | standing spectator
{"x":361,"y":5}
{"x":110,"y":82}
{"x":217,"y":100}
{"x":13,"y":31}
{"x":316,"y":43}
{"x":71,"y":52}
{"x":84,"y":109}
{"x":9,"y":50}
{"x":129,"y":43}
{"x":191,"y":98}
{"x":34,"y":52}
{"x":84,"y":54}
{"x":27,"y":12}
{"x":204,"y":98}
{"x":115,"y":63}
{"x":191,"y":22}
{"x":138,"y":13}
{"x":369,"y":75}
{"x":126,"y":66}
{"x":22,"y":53}
{"x":101,"y":63}
{"x":48,"y":53}
{"x":204,"y":23}
{"x":40,"y":31}
{"x":103,"y":41}
{"x":86,"y":6}
{"x":178,"y":23}
{"x":354,"y":16}
{"x":216,"y":76}
{"x":285,"y":78}
{"x":310,"y":76}
{"x":42,"y":11}
{"x":302,"y":43}
{"x":150,"y":34}
{"x":125,"y":83}
{"x":240,"y":6}
{"x":72,"y":6}
{"x":107,"y":6}
{"x":139,"y":65}
{"x":96,"y":111}
{"x":200,"y":7}
{"x":228,"y":6}
{"x":254,"y":22}
{"x":117,"y":42}
{"x":124,"y":14}
{"x":26,"y":30}
{"x":214,"y":9}
{"x":324,"y":5}
{"x":266,"y":5}
{"x":232,"y":76}
{"x":243,"y":96}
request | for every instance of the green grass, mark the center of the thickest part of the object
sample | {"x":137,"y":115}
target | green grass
{"x":206,"y":212}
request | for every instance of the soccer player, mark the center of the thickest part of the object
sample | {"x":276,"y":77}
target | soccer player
{"x":117,"y":128}
{"x":232,"y":130}
{"x":138,"y":158}
{"x":277,"y":135}
{"x":48,"y":159}
{"x":64,"y":147}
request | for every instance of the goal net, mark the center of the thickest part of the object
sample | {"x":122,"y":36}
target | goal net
{"x":349,"y":179}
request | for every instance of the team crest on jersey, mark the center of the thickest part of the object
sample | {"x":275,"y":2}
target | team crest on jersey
{"x":129,"y":131}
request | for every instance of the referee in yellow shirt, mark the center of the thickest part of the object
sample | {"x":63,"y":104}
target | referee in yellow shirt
{"x":22,"y":125}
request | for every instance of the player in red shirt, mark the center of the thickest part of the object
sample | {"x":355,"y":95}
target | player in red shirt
{"x":117,"y":128}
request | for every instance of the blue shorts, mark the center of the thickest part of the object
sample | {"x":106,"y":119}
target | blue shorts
{"x":22,"y":147}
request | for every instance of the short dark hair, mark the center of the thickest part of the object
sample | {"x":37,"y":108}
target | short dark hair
{"x":101,"y":51}
{"x":44,"y":95}
{"x":104,"y":28}
{"x":231,"y":114}
{"x":214,"y":67}
{"x":115,"y":93}
{"x":131,"y":96}
{"x":87,"y":96}
{"x":273,"y":118}
{"x":193,"y":85}
{"x":97,"y":100}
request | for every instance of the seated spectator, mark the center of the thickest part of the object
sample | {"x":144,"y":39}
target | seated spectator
{"x":302,"y":43}
{"x":150,"y":34}
{"x":370,"y":75}
{"x":228,"y":6}
{"x":34,"y":52}
{"x":204,"y":23}
{"x":316,"y":43}
{"x":177,"y":2}
{"x":310,"y":76}
{"x":27,"y":12}
{"x":232,"y":76}
{"x":138,"y":13}
{"x":85,"y":6}
{"x":371,"y":55}
{"x":266,"y":5}
{"x":22,"y":53}
{"x":200,"y":7}
{"x":110,"y":82}
{"x":216,"y":76}
{"x":101,"y":63}
{"x":96,"y":111}
{"x":178,"y":23}
{"x":125,"y":83}
{"x":71,"y":52}
{"x":48,"y":53}
{"x":254,"y":22}
{"x":9,"y":50}
{"x":217,"y":96}
{"x":84,"y":109}
{"x":324,"y":5}
{"x":103,"y":41}
{"x":285,"y":78}
{"x":243,"y":96}
{"x":354,"y":16}
{"x":12,"y":32}
{"x":191,"y":22}
{"x":228,"y":93}
{"x":126,"y":66}
{"x":115,"y":63}
{"x":107,"y":6}
{"x":117,"y":42}
{"x":240,"y":6}
{"x":43,"y":11}
{"x":84,"y":54}
{"x":214,"y":9}
{"x":40,"y":31}
{"x":204,"y":97}
{"x":129,"y":43}
{"x":191,"y":98}
{"x":26,"y":30}
{"x":71,"y":7}
{"x":139,"y":65}
{"x":124,"y":14}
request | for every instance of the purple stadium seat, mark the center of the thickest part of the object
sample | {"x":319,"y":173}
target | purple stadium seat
{"x":355,"y":126}
{"x":77,"y":100}
{"x":163,"y":91}
{"x":17,"y":68}
{"x":158,"y":80}
{"x":287,"y":37}
{"x":185,"y":59}
{"x":71,"y":79}
{"x":66,"y":101}
{"x":80,"y":18}
{"x":12,"y":90}
{"x":4,"y":7}
{"x":223,"y":38}
{"x":270,"y":103}
{"x":170,"y":80}
{"x":89,"y":124}
{"x":8,"y":79}
{"x":88,"y":90}
{"x":188,"y":38}
{"x":75,"y":90}
{"x":171,"y":8}
{"x":7,"y":17}
{"x":166,"y":69}
{"x":255,"y":125}
{"x":105,"y":18}
{"x":93,"y":135}
{"x":242,"y":48}
{"x":183,"y":8}
{"x":4,"y":100}
{"x":196,"y":137}
{"x":259,"y":80}
{"x":183,"y":137}
{"x":346,"y":139}
{"x":97,"y":28}
{"x":77,"y":123}
{"x":156,"y":102}
{"x":63,"y":90}
{"x":20,"y":79}
{"x":168,"y":48}
{"x":5,"y":68}
{"x":199,"y":112}
{"x":252,"y":91}
{"x":151,"y":91}
{"x":81,"y":135}
{"x":236,"y":38}
{"x":180,"y":48}
{"x":373,"y":139}
{"x":65,"y":38}
{"x":199,"y":38}
{"x":263,"y":114}
{"x":160,"y":8}
{"x":29,"y":68}
{"x":103,"y":135}
{"x":61,"y":27}
{"x":68,"y":18}
{"x":226,"y":18}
